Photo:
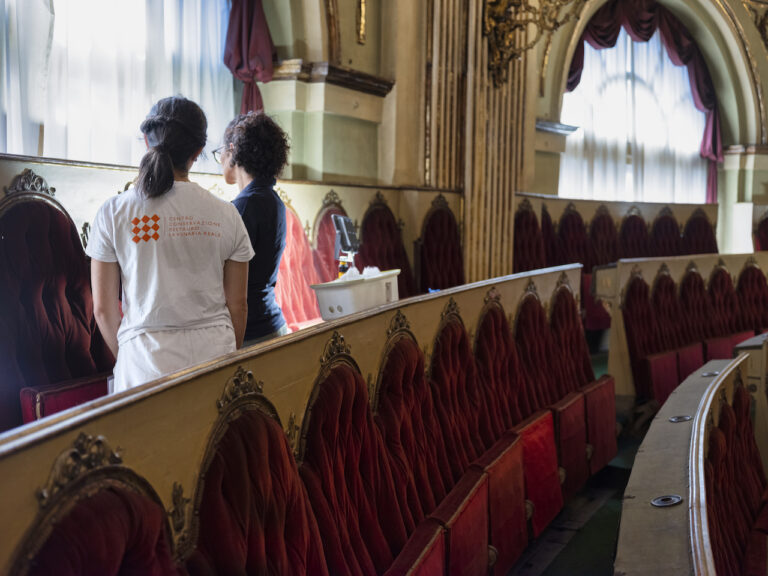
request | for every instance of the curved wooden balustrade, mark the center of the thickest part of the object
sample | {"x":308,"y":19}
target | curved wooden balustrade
{"x":158,"y":435}
{"x":610,"y":285}
{"x":672,"y":462}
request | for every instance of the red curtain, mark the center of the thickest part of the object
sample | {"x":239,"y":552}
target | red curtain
{"x":641,"y":19}
{"x":249,"y":50}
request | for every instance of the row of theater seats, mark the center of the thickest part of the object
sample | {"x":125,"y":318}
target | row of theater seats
{"x":599,"y":243}
{"x":438,"y":260}
{"x":416,"y":474}
{"x":672,"y":331}
{"x":51,"y":348}
{"x":737,"y":502}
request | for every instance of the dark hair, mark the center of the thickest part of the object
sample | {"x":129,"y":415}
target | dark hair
{"x":259,"y":145}
{"x":175,"y":129}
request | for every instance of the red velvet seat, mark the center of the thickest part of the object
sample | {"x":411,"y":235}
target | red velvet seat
{"x":528,"y":246}
{"x":48,"y":334}
{"x":254,"y":514}
{"x":634,"y":241}
{"x":665,"y":235}
{"x":439,"y":262}
{"x":296,"y":273}
{"x":325,"y":243}
{"x":725,"y":321}
{"x":752,"y":291}
{"x":696,"y":306}
{"x":603,"y":249}
{"x":115,"y":531}
{"x":761,"y":235}
{"x":572,"y":239}
{"x":699,"y":235}
{"x":424,"y":554}
{"x":548,"y":238}
{"x":382,"y":246}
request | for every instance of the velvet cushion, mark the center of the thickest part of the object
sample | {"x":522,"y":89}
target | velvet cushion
{"x":48,"y":333}
{"x":756,"y":556}
{"x":665,"y":236}
{"x":600,"y":407}
{"x":548,"y":238}
{"x":689,"y":359}
{"x":441,"y":264}
{"x":294,"y":276}
{"x":528,"y":246}
{"x":348,"y":479}
{"x":720,"y":348}
{"x":725,"y":303}
{"x":424,"y":554}
{"x":572,"y":239}
{"x":542,"y":478}
{"x":663,"y":370}
{"x":696,"y":306}
{"x":752,"y":291}
{"x":699,"y":235}
{"x":464,"y":515}
{"x":603,"y":240}
{"x":570,"y":340}
{"x":761,"y":235}
{"x":503,"y":464}
{"x":668,"y":314}
{"x":595,"y":316}
{"x":325,"y":241}
{"x":571,"y":436}
{"x":113,"y":532}
{"x":255,"y":517}
{"x":633,"y":238}
{"x":46,"y":400}
{"x":382,"y":246}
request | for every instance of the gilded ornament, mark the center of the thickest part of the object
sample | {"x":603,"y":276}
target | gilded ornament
{"x":241,"y":384}
{"x":451,"y":309}
{"x":399,"y":323}
{"x":178,"y":511}
{"x":28,"y":181}
{"x":331,"y":199}
{"x":336,"y":346}
{"x":292,"y":433}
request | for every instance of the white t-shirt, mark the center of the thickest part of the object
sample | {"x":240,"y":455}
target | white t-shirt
{"x":171,"y":251}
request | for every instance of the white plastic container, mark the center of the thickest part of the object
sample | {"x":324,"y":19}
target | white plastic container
{"x":342,"y":297}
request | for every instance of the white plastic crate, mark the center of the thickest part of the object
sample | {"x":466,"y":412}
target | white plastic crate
{"x":342,"y":297}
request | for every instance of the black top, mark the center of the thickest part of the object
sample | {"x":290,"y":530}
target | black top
{"x":264,"y":215}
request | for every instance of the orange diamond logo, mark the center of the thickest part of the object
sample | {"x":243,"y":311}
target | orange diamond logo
{"x":155,"y":227}
{"x":145,"y":219}
{"x":145,"y":237}
{"x":145,"y":228}
{"x":135,"y":221}
{"x":136,"y":230}
{"x":155,"y":217}
{"x":136,"y":239}
{"x":155,"y":236}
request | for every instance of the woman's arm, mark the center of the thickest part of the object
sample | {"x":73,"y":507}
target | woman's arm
{"x":105,"y":284}
{"x":236,"y":295}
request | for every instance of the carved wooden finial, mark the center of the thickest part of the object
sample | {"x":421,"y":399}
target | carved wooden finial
{"x":379,"y":198}
{"x":451,"y":309}
{"x":88,"y":453}
{"x":399,"y":323}
{"x":284,"y":197}
{"x":563,"y":281}
{"x":525,"y":206}
{"x":493,"y":295}
{"x":440,"y":203}
{"x":241,"y":384}
{"x":292,"y":430}
{"x":691,"y":267}
{"x":178,"y":515}
{"x":331,"y":199}
{"x":532,"y":289}
{"x":28,"y":181}
{"x":336,"y":346}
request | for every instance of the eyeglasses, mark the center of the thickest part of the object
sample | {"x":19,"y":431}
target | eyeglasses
{"x":218,"y":153}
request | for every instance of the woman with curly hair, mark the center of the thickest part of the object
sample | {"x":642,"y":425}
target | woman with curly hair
{"x":180,"y":254}
{"x":254,"y":153}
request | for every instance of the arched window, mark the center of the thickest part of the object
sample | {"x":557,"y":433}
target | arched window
{"x":640,"y":131}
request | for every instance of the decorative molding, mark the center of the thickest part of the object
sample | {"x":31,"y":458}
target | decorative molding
{"x":241,"y":384}
{"x":28,"y":181}
{"x":292,"y":430}
{"x":334,"y":35}
{"x":284,"y":197}
{"x":335,"y":347}
{"x":178,"y":515}
{"x":379,"y":198}
{"x":331,"y":199}
{"x":440,"y":203}
{"x":361,"y":21}
{"x":88,"y":453}
{"x":451,"y":309}
{"x":373,"y":399}
{"x":532,"y":290}
{"x":759,"y":12}
{"x":691,"y":267}
{"x":292,"y":69}
{"x":85,"y":234}
{"x":633,"y":211}
{"x":493,"y":295}
{"x":563,"y":282}
{"x":399,"y":323}
{"x":332,"y":73}
{"x":555,"y":127}
{"x":505,"y":22}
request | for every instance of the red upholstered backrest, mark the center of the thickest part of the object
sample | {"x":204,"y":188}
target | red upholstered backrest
{"x":412,"y":436}
{"x":116,"y":531}
{"x":665,"y":236}
{"x":548,"y":238}
{"x":325,"y":242}
{"x":571,"y":343}
{"x":725,"y":303}
{"x":542,"y":380}
{"x":752,"y":290}
{"x":603,"y":239}
{"x":528,"y":244}
{"x":761,"y":235}
{"x":382,"y":246}
{"x":459,"y":405}
{"x":633,"y":238}
{"x":295,"y":275}
{"x":48,"y":331}
{"x":348,"y":479}
{"x":254,"y":514}
{"x":696,"y":306}
{"x":699,"y":235}
{"x":640,"y":321}
{"x":572,"y":239}
{"x":499,"y":370}
{"x":668,"y":313}
{"x":441,"y":262}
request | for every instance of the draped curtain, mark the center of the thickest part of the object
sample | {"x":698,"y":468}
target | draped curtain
{"x":641,"y":20}
{"x":249,"y":50}
{"x":110,"y":60}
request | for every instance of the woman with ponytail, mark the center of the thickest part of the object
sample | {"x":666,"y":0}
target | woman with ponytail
{"x":181,"y":254}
